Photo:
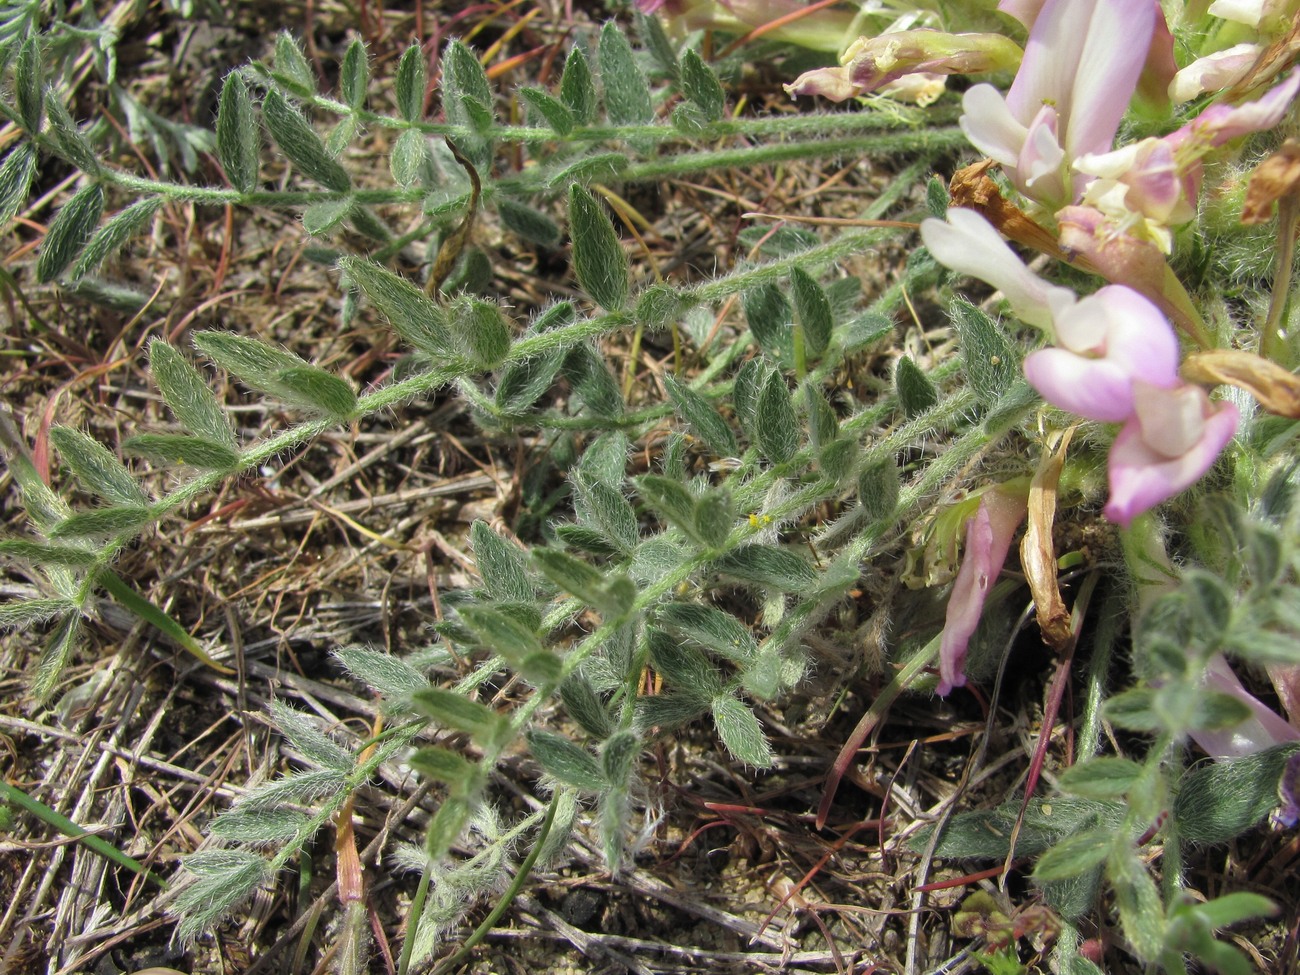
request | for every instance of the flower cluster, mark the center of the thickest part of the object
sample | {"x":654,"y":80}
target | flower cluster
{"x":1115,"y":360}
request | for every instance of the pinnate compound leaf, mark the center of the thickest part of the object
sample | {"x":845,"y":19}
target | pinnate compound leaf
{"x":578,"y":88}
{"x":598,"y":257}
{"x":566,"y":761}
{"x":110,"y":238}
{"x":741,"y":732}
{"x":188,"y":396}
{"x":701,"y":85}
{"x":300,"y":143}
{"x":415,"y":317}
{"x":71,"y":229}
{"x":556,"y":114}
{"x":776,"y":428}
{"x":98,"y":471}
{"x":627,"y":93}
{"x":238,"y":145}
{"x":16,"y":175}
{"x":705,"y":421}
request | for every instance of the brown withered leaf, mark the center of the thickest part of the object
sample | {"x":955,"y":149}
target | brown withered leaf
{"x":1276,"y":177}
{"x":1037,"y":554}
{"x":1277,"y":390}
{"x":972,"y":189}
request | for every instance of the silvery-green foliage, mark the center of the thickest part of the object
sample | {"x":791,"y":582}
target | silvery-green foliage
{"x":660,"y":569}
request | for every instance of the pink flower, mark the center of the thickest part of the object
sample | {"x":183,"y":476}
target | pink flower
{"x":1105,"y":342}
{"x":1080,"y":69}
{"x":1173,"y":438}
{"x":1151,"y":185}
{"x":1263,"y":729}
{"x":988,"y":540}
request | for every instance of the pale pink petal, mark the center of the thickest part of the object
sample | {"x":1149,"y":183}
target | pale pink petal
{"x":1263,"y":729}
{"x":1097,"y":389}
{"x":988,"y":540}
{"x":1139,"y":337}
{"x":1172,"y":420}
{"x":969,"y":244}
{"x":1214,"y":72}
{"x":1221,"y":123}
{"x":990,"y":126}
{"x":1039,"y":169}
{"x":1025,"y":11}
{"x":1106,"y":73}
{"x":1248,"y":12}
{"x":1141,"y":478}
